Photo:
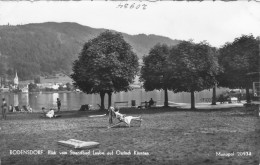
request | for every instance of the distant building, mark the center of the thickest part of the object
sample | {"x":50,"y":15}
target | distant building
{"x":51,"y":82}
{"x":55,"y":86}
{"x":24,"y":89}
{"x":45,"y":85}
{"x":3,"y":89}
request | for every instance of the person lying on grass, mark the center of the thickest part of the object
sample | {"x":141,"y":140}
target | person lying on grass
{"x":122,"y":117}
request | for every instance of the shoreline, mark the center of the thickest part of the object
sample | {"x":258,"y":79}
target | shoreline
{"x":42,"y":92}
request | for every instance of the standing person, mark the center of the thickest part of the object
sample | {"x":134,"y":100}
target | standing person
{"x":110,"y":115}
{"x":58,"y":104}
{"x":4,"y":108}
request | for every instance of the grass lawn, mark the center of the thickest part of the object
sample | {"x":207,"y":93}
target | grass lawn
{"x":170,"y":136}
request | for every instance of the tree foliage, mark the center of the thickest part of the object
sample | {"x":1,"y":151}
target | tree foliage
{"x":33,"y":51}
{"x":155,"y":71}
{"x":237,"y":59}
{"x":187,"y":67}
{"x":155,"y":68}
{"x":46,"y":48}
{"x":106,"y":64}
{"x":195,"y":66}
{"x":2,"y":68}
{"x":32,"y":87}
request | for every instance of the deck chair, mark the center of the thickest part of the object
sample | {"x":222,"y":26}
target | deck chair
{"x":124,"y":119}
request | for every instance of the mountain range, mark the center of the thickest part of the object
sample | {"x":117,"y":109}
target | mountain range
{"x":46,"y":48}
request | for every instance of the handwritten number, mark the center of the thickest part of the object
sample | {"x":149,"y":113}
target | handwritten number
{"x":144,"y":6}
{"x":132,"y":6}
{"x":120,"y":6}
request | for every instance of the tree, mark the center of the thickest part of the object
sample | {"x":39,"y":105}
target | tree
{"x":155,"y":71}
{"x":69,"y":86}
{"x":37,"y":80}
{"x":195,"y":66}
{"x":60,"y":88}
{"x":238,"y":59}
{"x":106,"y":64}
{"x":33,"y":87}
{"x":219,"y":71}
{"x":2,"y":71}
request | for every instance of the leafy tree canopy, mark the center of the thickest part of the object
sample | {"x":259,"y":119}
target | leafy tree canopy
{"x":194,"y":65}
{"x":106,"y":63}
{"x":237,"y":59}
{"x":155,"y":71}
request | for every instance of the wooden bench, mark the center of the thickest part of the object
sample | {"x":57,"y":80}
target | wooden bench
{"x":123,"y":103}
{"x":146,"y":104}
{"x":207,"y":100}
{"x":84,"y":107}
{"x":232,"y":100}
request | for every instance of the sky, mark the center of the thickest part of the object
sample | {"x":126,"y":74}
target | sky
{"x":217,"y":22}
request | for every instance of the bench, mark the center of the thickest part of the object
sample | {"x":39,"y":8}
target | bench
{"x":84,"y":107}
{"x":232,"y":100}
{"x":223,"y":100}
{"x":207,"y":100}
{"x":146,"y":104}
{"x":123,"y":103}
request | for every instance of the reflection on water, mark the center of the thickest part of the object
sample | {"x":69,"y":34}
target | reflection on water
{"x":16,"y":100}
{"x":73,"y":101}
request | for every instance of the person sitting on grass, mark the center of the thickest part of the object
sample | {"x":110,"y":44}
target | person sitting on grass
{"x":11,"y":108}
{"x":122,"y":117}
{"x":29,"y":108}
{"x":49,"y":114}
{"x":17,"y":109}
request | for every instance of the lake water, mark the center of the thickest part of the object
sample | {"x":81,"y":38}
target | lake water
{"x":73,"y":101}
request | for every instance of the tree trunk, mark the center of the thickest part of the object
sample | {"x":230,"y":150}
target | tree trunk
{"x":214,"y":98}
{"x":102,"y":96}
{"x":166,"y":98}
{"x":109,"y":98}
{"x":248,"y":100}
{"x":192,"y":100}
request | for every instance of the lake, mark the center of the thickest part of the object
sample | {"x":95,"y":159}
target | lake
{"x":73,"y":100}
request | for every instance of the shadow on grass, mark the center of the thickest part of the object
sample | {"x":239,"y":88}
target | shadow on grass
{"x":97,"y":127}
{"x":174,"y":109}
{"x":130,"y":111}
{"x":63,"y":115}
{"x":242,"y":115}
